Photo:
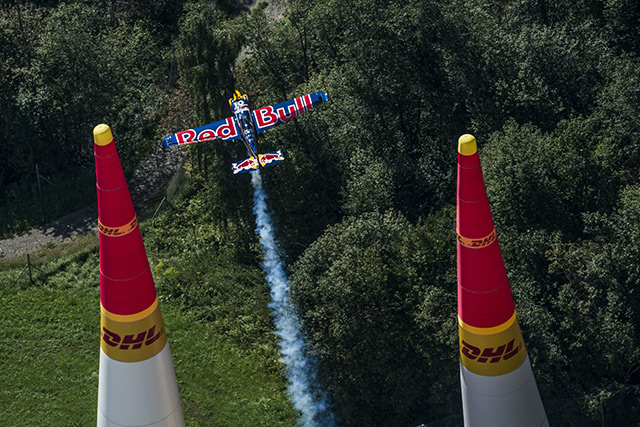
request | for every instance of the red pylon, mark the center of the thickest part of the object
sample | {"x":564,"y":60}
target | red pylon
{"x":137,"y":383}
{"x":498,"y":386}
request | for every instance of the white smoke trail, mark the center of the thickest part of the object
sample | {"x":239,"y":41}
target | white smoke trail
{"x":301,"y":370}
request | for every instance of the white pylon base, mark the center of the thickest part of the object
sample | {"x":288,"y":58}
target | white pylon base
{"x":139,"y":394}
{"x":502,"y":400}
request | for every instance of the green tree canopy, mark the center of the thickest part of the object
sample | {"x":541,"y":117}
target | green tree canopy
{"x":373,"y":296}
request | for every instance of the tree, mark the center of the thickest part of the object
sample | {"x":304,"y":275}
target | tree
{"x":372,"y":292}
{"x":621,"y":19}
{"x":545,"y":181}
{"x":68,"y":71}
{"x":209,"y":45}
{"x":596,"y":306}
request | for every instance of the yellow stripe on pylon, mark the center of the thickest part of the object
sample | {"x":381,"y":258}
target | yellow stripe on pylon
{"x":135,"y":337}
{"x":129,"y":317}
{"x":487,"y":331}
{"x":118,"y":231}
{"x":492,"y":351}
{"x":479,"y":243}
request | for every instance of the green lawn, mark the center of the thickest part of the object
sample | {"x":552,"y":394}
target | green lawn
{"x":49,"y":351}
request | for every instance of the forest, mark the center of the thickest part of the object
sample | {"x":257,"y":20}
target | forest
{"x":364,"y":204}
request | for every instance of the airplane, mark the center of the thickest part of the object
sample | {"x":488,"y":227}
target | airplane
{"x":246,"y":125}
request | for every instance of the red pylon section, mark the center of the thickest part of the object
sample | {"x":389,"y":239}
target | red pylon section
{"x":137,"y":383}
{"x":498,"y":386}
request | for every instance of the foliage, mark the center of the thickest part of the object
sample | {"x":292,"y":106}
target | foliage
{"x":549,"y":94}
{"x":594,"y":295}
{"x":211,"y":276}
{"x":49,"y":339}
{"x":67,"y":69}
{"x":363,"y":201}
{"x":209,"y":44}
{"x":367,"y":274}
{"x":520,"y":67}
{"x":533,"y":178}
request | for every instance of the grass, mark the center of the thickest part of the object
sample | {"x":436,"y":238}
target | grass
{"x":49,"y":340}
{"x":226,"y":360}
{"x":220,"y":385}
{"x":49,"y":346}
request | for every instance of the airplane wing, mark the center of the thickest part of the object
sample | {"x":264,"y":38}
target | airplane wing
{"x":225,"y":130}
{"x":273,"y":115}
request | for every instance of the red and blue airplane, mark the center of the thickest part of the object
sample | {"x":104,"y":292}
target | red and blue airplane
{"x":246,"y":125}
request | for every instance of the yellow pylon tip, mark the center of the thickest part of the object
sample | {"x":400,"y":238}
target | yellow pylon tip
{"x":467,"y":145}
{"x":102,"y":134}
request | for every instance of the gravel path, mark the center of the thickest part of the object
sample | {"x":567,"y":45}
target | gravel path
{"x":150,"y":178}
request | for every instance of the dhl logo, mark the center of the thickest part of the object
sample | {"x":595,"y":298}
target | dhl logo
{"x":492,"y":351}
{"x":132,"y":341}
{"x":118,"y":231}
{"x":477,"y":243}
{"x":490,"y":354}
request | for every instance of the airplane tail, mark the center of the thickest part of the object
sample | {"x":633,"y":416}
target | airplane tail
{"x":266,"y":159}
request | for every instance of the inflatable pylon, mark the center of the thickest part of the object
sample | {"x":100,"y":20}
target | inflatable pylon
{"x":137,"y":382}
{"x":498,"y":386}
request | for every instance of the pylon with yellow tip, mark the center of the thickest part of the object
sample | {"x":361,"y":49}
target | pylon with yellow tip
{"x":137,"y":382}
{"x":498,"y":386}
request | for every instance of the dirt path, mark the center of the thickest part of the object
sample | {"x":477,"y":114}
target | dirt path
{"x":150,"y":178}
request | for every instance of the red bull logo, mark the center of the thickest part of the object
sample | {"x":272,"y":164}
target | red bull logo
{"x":303,"y":103}
{"x":245,"y":165}
{"x":267,"y":158}
{"x":265,"y":117}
